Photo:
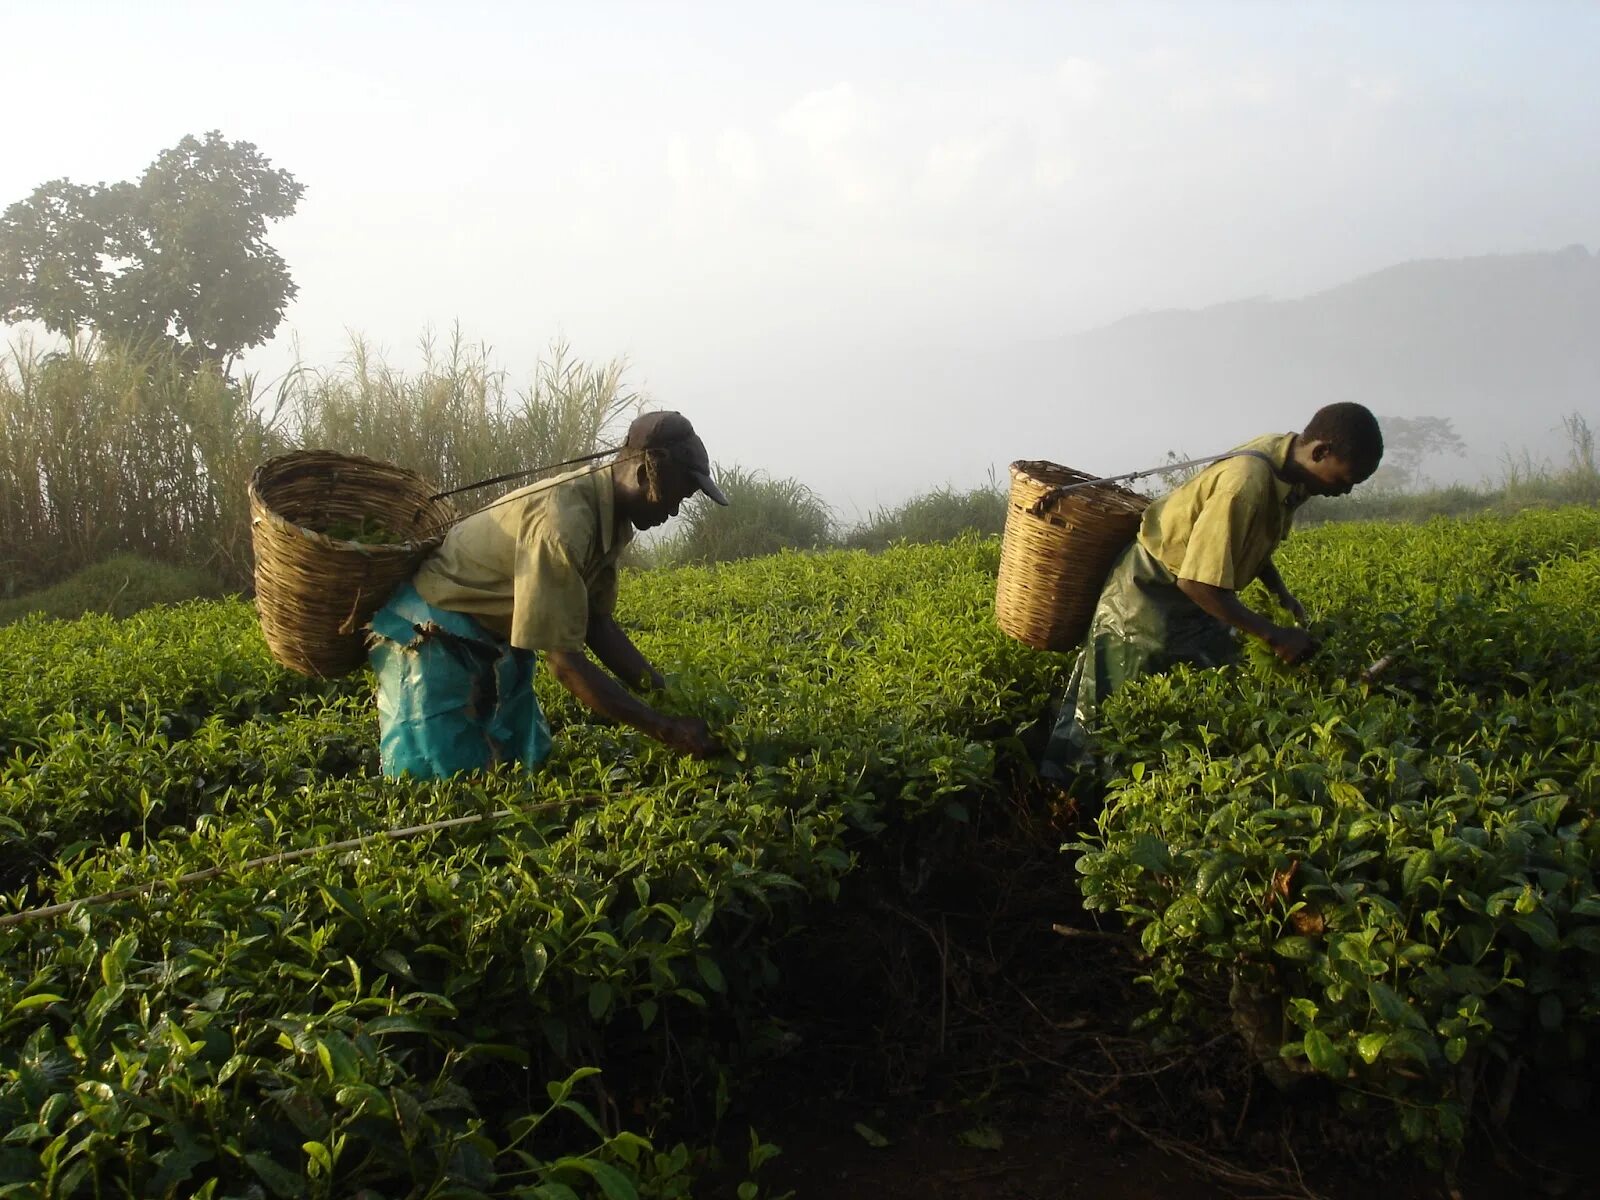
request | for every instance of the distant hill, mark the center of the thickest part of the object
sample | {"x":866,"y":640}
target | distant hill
{"x":1502,"y":344}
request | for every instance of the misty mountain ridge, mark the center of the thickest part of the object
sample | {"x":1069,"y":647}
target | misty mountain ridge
{"x":1502,"y":345}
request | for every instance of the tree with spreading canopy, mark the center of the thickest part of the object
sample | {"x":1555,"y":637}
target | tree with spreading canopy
{"x":178,"y":258}
{"x":1407,"y":441}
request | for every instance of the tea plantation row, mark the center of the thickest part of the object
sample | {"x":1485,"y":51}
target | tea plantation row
{"x":1391,"y":884}
{"x":389,"y":1018}
{"x":418,"y":1017}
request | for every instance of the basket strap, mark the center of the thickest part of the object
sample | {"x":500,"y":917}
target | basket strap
{"x":435,"y":528}
{"x":1039,"y":506}
{"x":510,"y":475}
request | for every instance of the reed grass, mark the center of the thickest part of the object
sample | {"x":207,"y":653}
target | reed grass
{"x":456,"y":419}
{"x":108,"y":448}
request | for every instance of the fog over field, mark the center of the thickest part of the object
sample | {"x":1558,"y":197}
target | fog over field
{"x":882,"y":247}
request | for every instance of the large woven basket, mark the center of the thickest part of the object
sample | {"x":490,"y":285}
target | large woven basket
{"x":1053,"y":564}
{"x":314,"y":592}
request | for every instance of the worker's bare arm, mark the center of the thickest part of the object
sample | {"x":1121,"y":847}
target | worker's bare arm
{"x":1287,"y":643}
{"x":615,"y":649}
{"x":602,"y":694}
{"x":1273,"y":582}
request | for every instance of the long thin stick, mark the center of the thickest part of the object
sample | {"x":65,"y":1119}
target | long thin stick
{"x":55,"y":910}
{"x":1055,"y":493}
{"x":1387,"y":661}
{"x":542,"y":485}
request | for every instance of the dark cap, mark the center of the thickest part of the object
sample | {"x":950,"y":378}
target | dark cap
{"x":669,"y":433}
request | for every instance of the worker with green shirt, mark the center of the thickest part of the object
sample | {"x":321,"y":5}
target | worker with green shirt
{"x":532,"y":573}
{"x":1173,"y":595}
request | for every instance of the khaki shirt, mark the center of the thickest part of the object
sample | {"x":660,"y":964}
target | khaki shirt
{"x":1223,"y":525}
{"x":532,"y":565}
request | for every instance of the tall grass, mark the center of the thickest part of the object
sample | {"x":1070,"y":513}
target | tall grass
{"x":105,"y":448}
{"x":764,"y":515}
{"x":937,"y":516}
{"x":767,"y":514}
{"x":1525,"y":482}
{"x":456,"y":420}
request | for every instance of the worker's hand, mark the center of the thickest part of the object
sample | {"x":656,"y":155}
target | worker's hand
{"x":1295,"y":609}
{"x":1293,"y":645}
{"x":691,"y":735}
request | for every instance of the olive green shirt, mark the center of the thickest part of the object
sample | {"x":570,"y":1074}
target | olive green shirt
{"x":1222,"y":526}
{"x":532,"y":565}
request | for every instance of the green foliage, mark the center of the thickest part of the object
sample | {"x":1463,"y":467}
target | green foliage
{"x":455,"y":419}
{"x":1392,"y":883}
{"x":1407,"y":442}
{"x":937,"y":516}
{"x":421,"y":1016}
{"x":179,"y":259}
{"x":769,"y":515}
{"x":764,"y":515}
{"x":120,"y":586}
{"x":369,"y":531}
{"x":1389,"y":885}
{"x":1525,"y":482}
{"x":104,"y":449}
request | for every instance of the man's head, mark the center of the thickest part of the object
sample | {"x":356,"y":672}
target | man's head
{"x":1340,"y":447}
{"x":661,"y":464}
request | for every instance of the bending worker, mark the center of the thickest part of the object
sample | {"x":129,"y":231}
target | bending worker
{"x":533,"y":572}
{"x":1173,"y":595}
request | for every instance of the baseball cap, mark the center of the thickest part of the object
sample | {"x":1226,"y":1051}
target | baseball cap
{"x":671,"y":434}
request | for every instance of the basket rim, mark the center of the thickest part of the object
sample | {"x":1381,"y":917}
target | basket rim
{"x":263,"y":512}
{"x":279,"y":461}
{"x":1103,"y":491}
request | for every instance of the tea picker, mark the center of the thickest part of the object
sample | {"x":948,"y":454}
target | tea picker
{"x":456,"y":610}
{"x":1143,"y":586}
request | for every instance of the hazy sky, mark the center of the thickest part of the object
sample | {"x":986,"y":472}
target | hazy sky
{"x":750,"y":201}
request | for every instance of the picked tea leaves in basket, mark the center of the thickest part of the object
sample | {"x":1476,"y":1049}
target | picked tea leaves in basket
{"x":334,"y":535}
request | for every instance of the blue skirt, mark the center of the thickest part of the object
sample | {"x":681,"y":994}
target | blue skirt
{"x":451,"y":695}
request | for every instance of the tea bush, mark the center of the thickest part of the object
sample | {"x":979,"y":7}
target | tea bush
{"x":388,"y":1017}
{"x":1389,"y":883}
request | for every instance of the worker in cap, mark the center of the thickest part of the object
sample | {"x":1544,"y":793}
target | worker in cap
{"x":1173,"y":595}
{"x":534,"y":572}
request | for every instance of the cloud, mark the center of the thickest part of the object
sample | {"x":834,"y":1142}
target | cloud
{"x":828,"y":120}
{"x":951,"y":167}
{"x":680,"y":166}
{"x":1379,"y":91}
{"x":1081,"y":80}
{"x":741,"y":161}
{"x":868,"y":197}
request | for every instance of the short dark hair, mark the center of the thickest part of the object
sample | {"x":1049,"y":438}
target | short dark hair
{"x":1351,"y":432}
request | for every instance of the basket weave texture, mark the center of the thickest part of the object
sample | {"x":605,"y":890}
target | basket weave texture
{"x":314,"y":593}
{"x":1052,"y":566}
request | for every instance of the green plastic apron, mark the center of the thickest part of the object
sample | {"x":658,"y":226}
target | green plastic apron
{"x":1143,"y":625}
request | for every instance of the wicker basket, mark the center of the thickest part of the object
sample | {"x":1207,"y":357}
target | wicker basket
{"x":313,"y":592}
{"x":1052,"y":566}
